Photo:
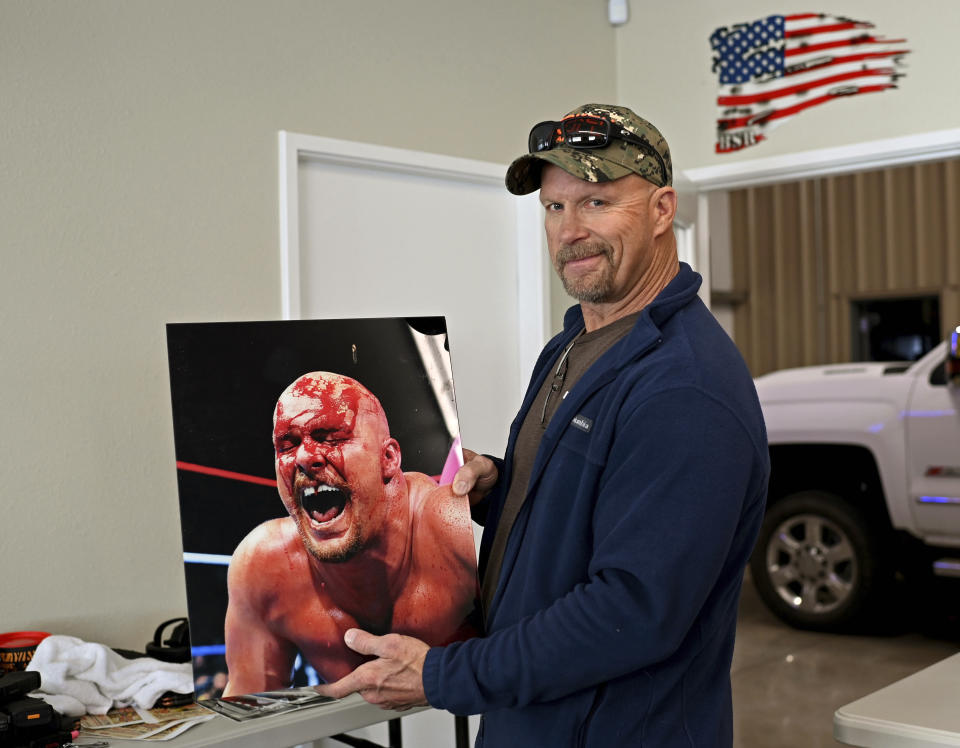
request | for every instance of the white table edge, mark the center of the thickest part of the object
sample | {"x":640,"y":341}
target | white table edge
{"x":854,"y":725}
{"x":289,"y":729}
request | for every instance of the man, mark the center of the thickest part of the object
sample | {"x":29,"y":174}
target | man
{"x":366,"y":545}
{"x":619,"y":522}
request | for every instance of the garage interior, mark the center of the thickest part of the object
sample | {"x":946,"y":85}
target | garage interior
{"x":817,"y":269}
{"x":815,"y":272}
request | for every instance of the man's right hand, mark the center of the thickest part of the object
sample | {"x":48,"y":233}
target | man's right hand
{"x":476,"y":477}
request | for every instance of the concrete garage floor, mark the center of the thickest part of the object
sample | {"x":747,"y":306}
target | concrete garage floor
{"x":788,"y":683}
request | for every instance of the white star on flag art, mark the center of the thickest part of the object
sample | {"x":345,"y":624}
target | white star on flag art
{"x":772,"y":69}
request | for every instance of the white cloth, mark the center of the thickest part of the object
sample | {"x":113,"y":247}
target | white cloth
{"x":78,"y":677}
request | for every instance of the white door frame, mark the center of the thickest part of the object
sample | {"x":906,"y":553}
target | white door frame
{"x":533,"y":320}
{"x":873,"y":154}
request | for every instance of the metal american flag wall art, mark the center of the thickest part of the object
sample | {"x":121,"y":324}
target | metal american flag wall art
{"x":774,"y":68}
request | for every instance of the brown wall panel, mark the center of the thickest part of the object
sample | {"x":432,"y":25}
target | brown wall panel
{"x":839,"y":243}
{"x":893,"y":250}
{"x":788,"y":307}
{"x":903,"y":239}
{"x":876,"y":266}
{"x":929,"y":227}
{"x":802,"y":251}
{"x":808,"y":259}
{"x":739,"y":270}
{"x":868,"y":270}
{"x":951,"y":219}
{"x":760,"y":248}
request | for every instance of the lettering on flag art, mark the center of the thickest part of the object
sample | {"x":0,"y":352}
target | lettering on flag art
{"x":772,"y":69}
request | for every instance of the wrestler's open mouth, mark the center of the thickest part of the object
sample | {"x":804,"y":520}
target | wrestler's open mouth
{"x":322,"y":502}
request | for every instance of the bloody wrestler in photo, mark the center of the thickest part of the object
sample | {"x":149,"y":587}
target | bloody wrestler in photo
{"x":366,"y":545}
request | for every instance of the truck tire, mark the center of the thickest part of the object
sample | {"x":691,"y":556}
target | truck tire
{"x":818,"y":563}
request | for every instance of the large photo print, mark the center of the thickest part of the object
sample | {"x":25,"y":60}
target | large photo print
{"x":313,"y":461}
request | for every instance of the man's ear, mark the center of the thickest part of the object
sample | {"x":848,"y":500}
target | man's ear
{"x":664,"y":202}
{"x":389,"y":460}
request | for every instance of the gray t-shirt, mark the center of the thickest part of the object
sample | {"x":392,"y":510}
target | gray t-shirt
{"x":572,"y":363}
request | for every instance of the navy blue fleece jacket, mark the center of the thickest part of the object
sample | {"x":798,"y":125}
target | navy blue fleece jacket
{"x":614,"y":617}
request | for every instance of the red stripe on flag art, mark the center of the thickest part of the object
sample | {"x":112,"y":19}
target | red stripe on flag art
{"x":771,"y":69}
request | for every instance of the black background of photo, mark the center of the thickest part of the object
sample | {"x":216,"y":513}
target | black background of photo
{"x":225,"y":378}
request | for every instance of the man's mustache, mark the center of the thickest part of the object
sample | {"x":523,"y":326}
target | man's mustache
{"x":570,"y":252}
{"x":303,"y":478}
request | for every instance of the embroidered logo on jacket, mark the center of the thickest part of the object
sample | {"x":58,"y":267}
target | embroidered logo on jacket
{"x":582,"y":422}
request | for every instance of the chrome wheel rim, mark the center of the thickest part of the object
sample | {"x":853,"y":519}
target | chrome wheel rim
{"x":811,"y":564}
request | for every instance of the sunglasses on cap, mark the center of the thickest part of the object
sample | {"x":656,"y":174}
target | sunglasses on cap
{"x":586,"y":131}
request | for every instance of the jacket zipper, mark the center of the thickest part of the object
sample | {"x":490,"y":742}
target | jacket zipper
{"x":585,"y":725}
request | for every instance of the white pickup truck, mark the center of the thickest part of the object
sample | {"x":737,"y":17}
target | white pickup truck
{"x":864,"y":485}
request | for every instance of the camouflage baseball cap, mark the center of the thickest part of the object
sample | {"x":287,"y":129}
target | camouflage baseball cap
{"x":651,"y":160}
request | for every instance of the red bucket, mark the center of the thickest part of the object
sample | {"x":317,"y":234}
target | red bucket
{"x":17,"y":648}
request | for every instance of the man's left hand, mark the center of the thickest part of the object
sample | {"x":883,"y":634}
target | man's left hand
{"x":393,"y":681}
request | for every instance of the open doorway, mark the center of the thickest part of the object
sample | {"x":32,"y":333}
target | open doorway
{"x":823,"y":229}
{"x":839,"y":268}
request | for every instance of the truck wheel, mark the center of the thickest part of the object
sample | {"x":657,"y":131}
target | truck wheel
{"x":817,"y":563}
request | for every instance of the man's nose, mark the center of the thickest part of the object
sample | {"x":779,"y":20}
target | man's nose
{"x":311,"y":456}
{"x":572,"y":227}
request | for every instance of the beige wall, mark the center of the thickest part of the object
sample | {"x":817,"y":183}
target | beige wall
{"x":139,"y":183}
{"x":663,"y":71}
